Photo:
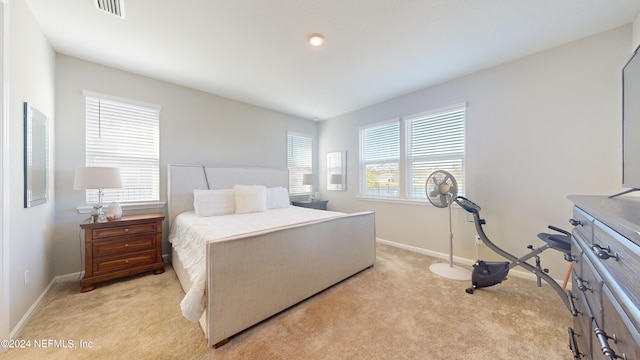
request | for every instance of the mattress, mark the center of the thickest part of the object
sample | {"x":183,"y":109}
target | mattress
{"x":190,"y":234}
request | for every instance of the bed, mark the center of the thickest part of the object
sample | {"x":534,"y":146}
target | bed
{"x":251,"y":275}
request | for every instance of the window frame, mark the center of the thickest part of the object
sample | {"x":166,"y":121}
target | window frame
{"x":405,"y":161}
{"x":363,"y":163}
{"x":294,"y":174}
{"x":152,"y":201}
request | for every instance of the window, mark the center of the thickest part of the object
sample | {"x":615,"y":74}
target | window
{"x":124,"y":134}
{"x":433,"y":140}
{"x":380,"y":159}
{"x":299,"y":162}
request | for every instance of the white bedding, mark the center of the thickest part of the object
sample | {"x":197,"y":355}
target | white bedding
{"x":190,"y":233}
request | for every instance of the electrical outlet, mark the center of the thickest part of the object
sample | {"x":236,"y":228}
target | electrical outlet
{"x":26,"y":278}
{"x":478,"y":240}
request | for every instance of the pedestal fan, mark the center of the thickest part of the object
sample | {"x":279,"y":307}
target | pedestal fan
{"x":441,"y":188}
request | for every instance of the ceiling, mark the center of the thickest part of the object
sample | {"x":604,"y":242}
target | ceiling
{"x":256,"y":51}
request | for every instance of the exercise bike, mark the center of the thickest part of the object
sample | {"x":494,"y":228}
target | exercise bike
{"x":489,"y":273}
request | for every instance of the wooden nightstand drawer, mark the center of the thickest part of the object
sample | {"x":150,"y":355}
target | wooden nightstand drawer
{"x":108,"y":265}
{"x":126,"y":246}
{"x":123,"y":246}
{"x":123,"y":230}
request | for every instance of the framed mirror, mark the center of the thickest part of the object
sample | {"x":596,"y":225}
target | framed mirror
{"x":36,"y":157}
{"x":337,"y":171}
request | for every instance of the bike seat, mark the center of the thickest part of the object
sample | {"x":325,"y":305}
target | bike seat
{"x":559,"y":242}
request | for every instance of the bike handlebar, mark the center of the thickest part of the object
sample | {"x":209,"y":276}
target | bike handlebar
{"x":467,"y":204}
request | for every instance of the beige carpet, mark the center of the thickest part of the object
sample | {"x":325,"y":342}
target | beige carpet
{"x":396,"y":310}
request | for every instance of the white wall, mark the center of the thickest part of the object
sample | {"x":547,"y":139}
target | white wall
{"x":195,"y":128}
{"x":538,"y":129}
{"x":636,"y":33}
{"x":31,"y":79}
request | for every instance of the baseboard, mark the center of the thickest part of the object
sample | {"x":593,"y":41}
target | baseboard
{"x":16,"y":331}
{"x":432,"y":253}
{"x":458,"y":260}
{"x":77,"y":276}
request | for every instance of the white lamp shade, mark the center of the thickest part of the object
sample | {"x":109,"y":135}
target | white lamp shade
{"x":307,"y":179}
{"x":97,"y":178}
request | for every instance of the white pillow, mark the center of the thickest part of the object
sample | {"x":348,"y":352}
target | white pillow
{"x":250,"y":199}
{"x":214,"y":202}
{"x":277,"y":198}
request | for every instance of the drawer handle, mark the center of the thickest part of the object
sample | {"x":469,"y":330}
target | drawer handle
{"x":603,"y":339}
{"x":573,"y":345}
{"x":575,"y":222}
{"x":604,"y":253}
{"x":126,"y":230}
{"x":582,"y":284}
{"x":126,"y":245}
{"x":126,"y":261}
{"x":572,"y":306}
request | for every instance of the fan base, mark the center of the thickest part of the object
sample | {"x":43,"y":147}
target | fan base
{"x":452,"y":272}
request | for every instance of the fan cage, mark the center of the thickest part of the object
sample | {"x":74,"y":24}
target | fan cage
{"x":416,"y":185}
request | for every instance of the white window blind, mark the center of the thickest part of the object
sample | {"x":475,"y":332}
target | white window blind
{"x":299,"y":162}
{"x":380,"y":159}
{"x":435,"y":141}
{"x":125,"y":135}
{"x":430,"y":141}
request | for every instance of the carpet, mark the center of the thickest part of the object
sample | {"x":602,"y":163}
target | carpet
{"x":396,"y":310}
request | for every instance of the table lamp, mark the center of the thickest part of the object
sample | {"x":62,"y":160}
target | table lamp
{"x":307,"y":179}
{"x":97,"y":178}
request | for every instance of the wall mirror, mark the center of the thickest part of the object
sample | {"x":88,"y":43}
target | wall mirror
{"x":337,"y":171}
{"x":36,"y":157}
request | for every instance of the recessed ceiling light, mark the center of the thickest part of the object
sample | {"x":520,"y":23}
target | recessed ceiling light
{"x":316,"y":40}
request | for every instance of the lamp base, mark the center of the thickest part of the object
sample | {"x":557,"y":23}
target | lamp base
{"x":97,"y":215}
{"x":452,"y":272}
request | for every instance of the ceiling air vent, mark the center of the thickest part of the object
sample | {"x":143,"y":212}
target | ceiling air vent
{"x":113,"y":7}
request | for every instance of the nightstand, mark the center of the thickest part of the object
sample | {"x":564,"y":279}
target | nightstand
{"x":316,"y":204}
{"x":123,"y":247}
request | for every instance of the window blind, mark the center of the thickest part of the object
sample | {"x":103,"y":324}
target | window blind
{"x":397,"y":157}
{"x":125,"y":135}
{"x":380,"y":159}
{"x":435,"y":141}
{"x":299,"y":162}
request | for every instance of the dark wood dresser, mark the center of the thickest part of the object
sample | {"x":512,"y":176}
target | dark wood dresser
{"x":118,"y":248}
{"x":606,"y":277}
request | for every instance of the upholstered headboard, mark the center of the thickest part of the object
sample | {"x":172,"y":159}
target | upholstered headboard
{"x":183,"y":179}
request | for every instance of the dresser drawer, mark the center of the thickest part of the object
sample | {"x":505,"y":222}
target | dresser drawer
{"x":591,"y":284}
{"x":123,"y":230}
{"x":123,"y":246}
{"x":584,"y":223}
{"x":577,"y":252}
{"x":583,"y":322}
{"x":622,"y":267}
{"x":116,"y":263}
{"x":618,"y":325}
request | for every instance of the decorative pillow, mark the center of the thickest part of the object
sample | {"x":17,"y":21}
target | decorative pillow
{"x":277,"y":198}
{"x":214,"y":202}
{"x":250,"y":199}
